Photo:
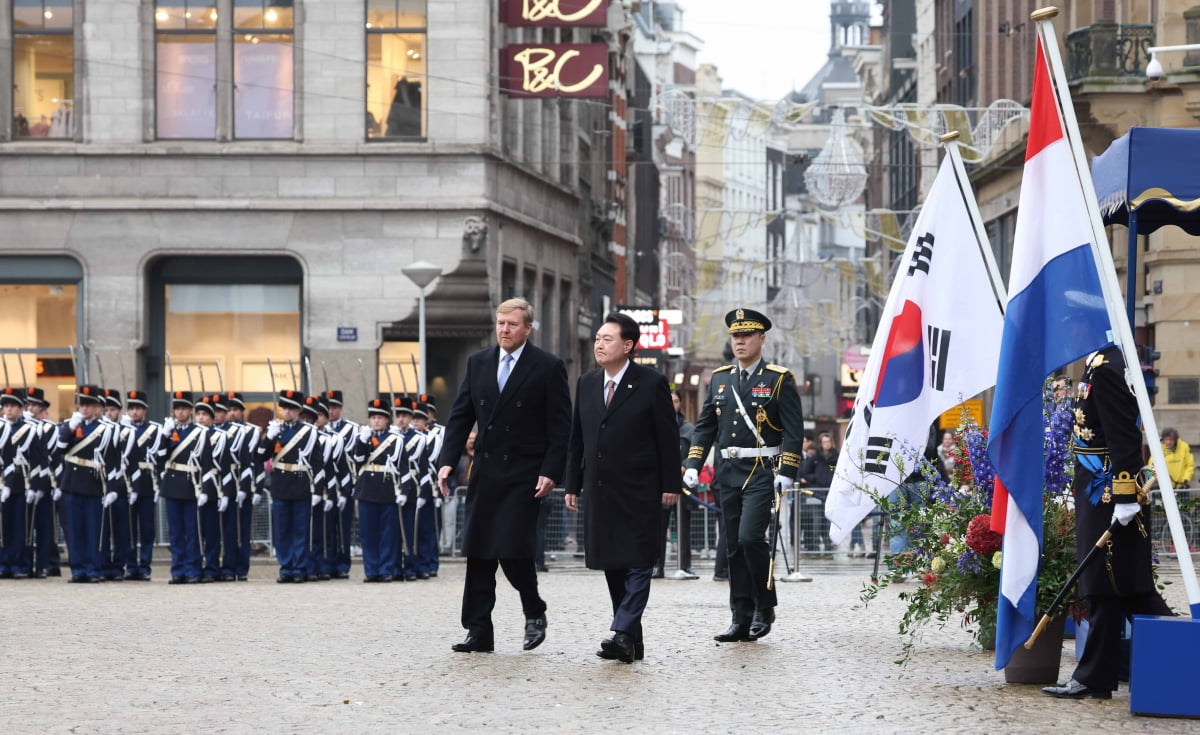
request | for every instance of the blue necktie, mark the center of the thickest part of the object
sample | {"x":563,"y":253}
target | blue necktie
{"x":505,"y":370}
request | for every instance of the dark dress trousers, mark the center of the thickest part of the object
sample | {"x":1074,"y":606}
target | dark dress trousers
{"x":521,"y":435}
{"x":621,"y":459}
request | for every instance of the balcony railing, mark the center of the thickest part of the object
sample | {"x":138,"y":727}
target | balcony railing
{"x":1108,"y":50}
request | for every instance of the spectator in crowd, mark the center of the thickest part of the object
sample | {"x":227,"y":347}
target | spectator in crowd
{"x":945,"y":454}
{"x":1181,"y":465}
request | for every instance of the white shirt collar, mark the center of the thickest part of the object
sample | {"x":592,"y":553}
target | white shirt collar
{"x":620,"y":374}
{"x":516,"y":354}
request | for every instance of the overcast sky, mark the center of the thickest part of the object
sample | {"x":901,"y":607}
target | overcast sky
{"x":763,"y":48}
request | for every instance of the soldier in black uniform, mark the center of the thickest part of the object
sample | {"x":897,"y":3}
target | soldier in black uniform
{"x":378,"y":454}
{"x":184,"y":460}
{"x":48,"y":500}
{"x":143,"y":485}
{"x":753,"y":416}
{"x":1108,"y":454}
{"x":290,"y":447}
{"x":346,"y":431}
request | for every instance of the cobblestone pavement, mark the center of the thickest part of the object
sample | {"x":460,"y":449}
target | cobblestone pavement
{"x":344,"y":657}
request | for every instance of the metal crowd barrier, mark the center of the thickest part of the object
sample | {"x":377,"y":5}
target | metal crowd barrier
{"x":1189,"y":516}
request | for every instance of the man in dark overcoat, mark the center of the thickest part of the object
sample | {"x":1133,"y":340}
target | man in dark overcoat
{"x":1107,"y":440}
{"x":518,"y":397}
{"x":623,"y":465}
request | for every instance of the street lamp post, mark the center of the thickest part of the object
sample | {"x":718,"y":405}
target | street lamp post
{"x":422,"y":274}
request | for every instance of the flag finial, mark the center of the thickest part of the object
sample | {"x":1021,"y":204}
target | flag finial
{"x":1044,"y":14}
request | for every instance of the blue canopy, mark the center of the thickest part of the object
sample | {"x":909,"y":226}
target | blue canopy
{"x":1154,"y":172}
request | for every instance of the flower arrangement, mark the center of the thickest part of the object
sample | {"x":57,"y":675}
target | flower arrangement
{"x":953,"y":555}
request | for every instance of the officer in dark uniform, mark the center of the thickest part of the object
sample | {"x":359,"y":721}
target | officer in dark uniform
{"x":290,"y":446}
{"x":1107,"y":440}
{"x":378,"y":455}
{"x":248,"y":473}
{"x":143,"y":485}
{"x":115,"y":534}
{"x":753,"y":416}
{"x":318,"y":561}
{"x":47,"y":496}
{"x":425,"y":534}
{"x":184,"y":461}
{"x":347,"y":432}
{"x":214,"y":496}
{"x":21,"y":453}
{"x":410,"y":486}
{"x":84,"y":442}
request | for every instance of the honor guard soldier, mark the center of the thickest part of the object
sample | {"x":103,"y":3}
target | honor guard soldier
{"x":1107,"y":440}
{"x":290,"y":446}
{"x":184,"y":460}
{"x":227,"y":467}
{"x":47,"y":496}
{"x":378,"y":455}
{"x":318,"y":562}
{"x":21,"y":452}
{"x":115,"y":543}
{"x":410,"y":485}
{"x":247,"y":474}
{"x":347,"y":432}
{"x":214,"y":492}
{"x":429,"y":500}
{"x":752,"y":415}
{"x":83,"y":441}
{"x":143,"y":485}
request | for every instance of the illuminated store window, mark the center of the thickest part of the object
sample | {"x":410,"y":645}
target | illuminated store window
{"x":396,"y":69}
{"x":186,"y":69}
{"x":43,"y":65}
{"x":399,"y":361}
{"x":39,"y":321}
{"x":263,"y":69}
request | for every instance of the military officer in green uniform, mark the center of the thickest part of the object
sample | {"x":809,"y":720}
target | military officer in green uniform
{"x":752,"y":415}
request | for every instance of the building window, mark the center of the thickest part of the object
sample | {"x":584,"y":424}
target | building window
{"x":262,"y":69}
{"x":43,"y":85}
{"x":186,"y":69}
{"x":193,"y":44}
{"x":396,"y":80}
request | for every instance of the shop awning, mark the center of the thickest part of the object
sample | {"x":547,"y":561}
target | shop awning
{"x":1153,"y":172}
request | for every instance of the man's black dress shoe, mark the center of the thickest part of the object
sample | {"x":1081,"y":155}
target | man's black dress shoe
{"x":134,"y":576}
{"x":54,"y":572}
{"x":736,"y":632}
{"x":173,"y":580}
{"x":619,"y":647}
{"x":720,"y":577}
{"x":535,"y":632}
{"x":242,"y":578}
{"x":761,"y":624}
{"x":339,"y":575}
{"x":1074,"y":690}
{"x":422,"y":575}
{"x":432,"y":575}
{"x":473,"y":644}
{"x":283,"y":580}
{"x":191,"y":580}
{"x":371,"y":578}
{"x":324,"y":577}
{"x":639,"y":652}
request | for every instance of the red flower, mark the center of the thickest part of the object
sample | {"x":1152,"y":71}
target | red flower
{"x":929,"y":578}
{"x":945,"y":539}
{"x":981,"y":538}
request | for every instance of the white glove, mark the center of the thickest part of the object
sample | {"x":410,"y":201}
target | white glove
{"x":273,"y":429}
{"x":241,"y":497}
{"x":420,"y":503}
{"x":125,"y":420}
{"x":222,"y":503}
{"x":782,"y":484}
{"x":133,"y":496}
{"x":28,"y":415}
{"x":364,"y":433}
{"x":316,"y":500}
{"x":109,"y":499}
{"x":691,"y":478}
{"x":57,"y":495}
{"x":4,"y":493}
{"x":402,"y":499}
{"x":1124,"y":512}
{"x":37,"y":496}
{"x":328,"y":505}
{"x":76,"y":420}
{"x":169,"y":425}
{"x":29,"y":497}
{"x":156,"y":497}
{"x":200,"y":501}
{"x":437,"y":502}
{"x":341,"y":502}
{"x":256,"y":499}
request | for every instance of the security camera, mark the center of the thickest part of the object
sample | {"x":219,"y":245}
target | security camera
{"x":1154,"y":69}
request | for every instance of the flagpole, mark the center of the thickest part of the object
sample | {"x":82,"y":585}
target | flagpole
{"x":950,"y":141}
{"x":1112,"y":297}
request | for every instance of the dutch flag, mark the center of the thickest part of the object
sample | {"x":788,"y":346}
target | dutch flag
{"x":1056,"y":314}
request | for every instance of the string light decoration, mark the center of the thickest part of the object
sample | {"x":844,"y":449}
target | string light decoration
{"x":837,"y":175}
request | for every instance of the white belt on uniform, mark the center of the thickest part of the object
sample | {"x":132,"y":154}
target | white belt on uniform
{"x":81,"y":462}
{"x":739,"y":452}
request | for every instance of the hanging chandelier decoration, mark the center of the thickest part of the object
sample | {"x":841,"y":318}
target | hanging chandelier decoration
{"x":837,"y":175}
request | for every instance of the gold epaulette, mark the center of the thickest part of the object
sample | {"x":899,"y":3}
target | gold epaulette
{"x":1097,"y":361}
{"x":778,"y":369}
{"x":696,"y":453}
{"x":789,"y":459}
{"x":722,"y":369}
